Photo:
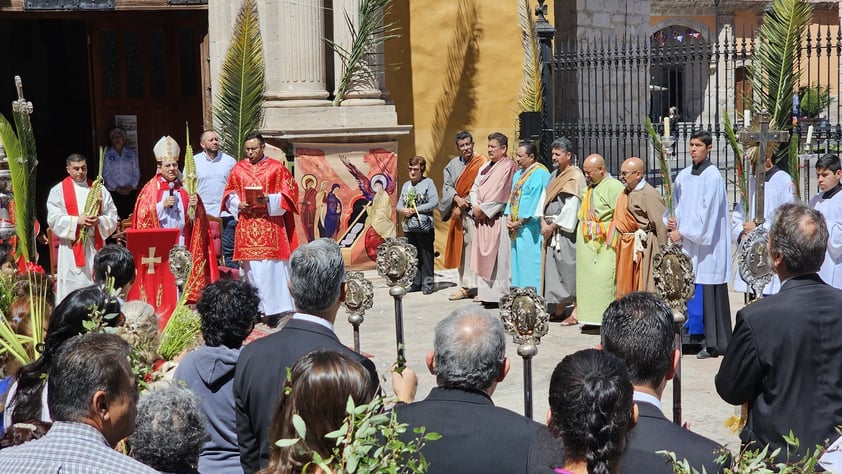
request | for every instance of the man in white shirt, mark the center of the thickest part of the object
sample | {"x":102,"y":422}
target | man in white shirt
{"x":212,"y":169}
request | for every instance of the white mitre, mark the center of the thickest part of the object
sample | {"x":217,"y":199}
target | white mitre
{"x":167,"y":148}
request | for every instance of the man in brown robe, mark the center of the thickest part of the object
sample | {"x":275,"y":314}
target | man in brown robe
{"x":563,"y":197}
{"x":455,"y":206}
{"x":638,"y":219}
{"x":491,"y":250}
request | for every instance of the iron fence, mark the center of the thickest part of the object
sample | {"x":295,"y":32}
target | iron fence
{"x":603,"y":89}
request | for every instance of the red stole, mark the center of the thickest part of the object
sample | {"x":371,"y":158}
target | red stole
{"x":68,"y":190}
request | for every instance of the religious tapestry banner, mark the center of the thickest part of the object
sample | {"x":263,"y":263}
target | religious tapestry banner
{"x":348,"y":193}
{"x":155,"y":283}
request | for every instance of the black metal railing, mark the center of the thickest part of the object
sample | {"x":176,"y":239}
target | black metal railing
{"x":604,"y":89}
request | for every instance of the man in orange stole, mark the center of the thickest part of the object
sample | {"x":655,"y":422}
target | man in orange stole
{"x":164,"y":203}
{"x":455,"y":205}
{"x":262,"y":195}
{"x":491,"y":252}
{"x":638,"y":219}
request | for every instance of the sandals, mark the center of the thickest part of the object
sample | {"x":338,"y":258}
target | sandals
{"x":459,"y":295}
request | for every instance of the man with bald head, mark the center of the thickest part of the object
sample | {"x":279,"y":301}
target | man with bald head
{"x":596,"y":238}
{"x":637,"y":218}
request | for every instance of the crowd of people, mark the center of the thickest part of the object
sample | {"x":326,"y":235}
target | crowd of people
{"x":228,"y":399}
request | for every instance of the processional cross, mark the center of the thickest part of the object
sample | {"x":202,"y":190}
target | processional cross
{"x":752,"y":259}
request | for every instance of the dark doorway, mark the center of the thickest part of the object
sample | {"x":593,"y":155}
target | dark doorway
{"x":51,"y":57}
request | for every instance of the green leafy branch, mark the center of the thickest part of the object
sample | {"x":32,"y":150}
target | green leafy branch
{"x":367,"y":35}
{"x":368,"y":442}
{"x":238,"y":105}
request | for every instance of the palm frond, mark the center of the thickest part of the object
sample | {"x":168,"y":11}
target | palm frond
{"x":238,"y":107}
{"x":741,"y":178}
{"x":191,"y":179}
{"x":661,"y":153}
{"x":358,"y":58}
{"x":792,"y":164}
{"x":531,"y":96}
{"x":773,"y":72}
{"x":24,"y":216}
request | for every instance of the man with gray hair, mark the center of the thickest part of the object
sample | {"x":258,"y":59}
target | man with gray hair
{"x":317,"y":285}
{"x":92,"y":398}
{"x":783,"y":359}
{"x":469,"y":360}
{"x":563,"y":197}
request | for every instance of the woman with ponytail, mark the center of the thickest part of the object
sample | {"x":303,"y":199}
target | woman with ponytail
{"x":592,"y":410}
{"x":27,"y":399}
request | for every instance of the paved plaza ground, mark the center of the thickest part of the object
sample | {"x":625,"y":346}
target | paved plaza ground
{"x":702,"y":407}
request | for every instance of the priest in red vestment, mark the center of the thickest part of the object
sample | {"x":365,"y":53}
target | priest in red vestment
{"x":262,"y":195}
{"x":163,"y":203}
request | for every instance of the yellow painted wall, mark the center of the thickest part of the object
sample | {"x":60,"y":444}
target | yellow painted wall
{"x":459,"y":69}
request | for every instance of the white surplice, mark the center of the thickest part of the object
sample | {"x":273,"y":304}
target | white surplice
{"x":70,"y":277}
{"x":702,"y":216}
{"x":831,"y":208}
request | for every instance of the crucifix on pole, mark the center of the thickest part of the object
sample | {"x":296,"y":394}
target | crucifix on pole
{"x":752,"y":259}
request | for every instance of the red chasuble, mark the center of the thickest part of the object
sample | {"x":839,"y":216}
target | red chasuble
{"x":260,"y":236}
{"x":196,"y":233}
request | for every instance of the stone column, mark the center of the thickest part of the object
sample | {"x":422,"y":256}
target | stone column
{"x":294,"y":52}
{"x":362,"y":92}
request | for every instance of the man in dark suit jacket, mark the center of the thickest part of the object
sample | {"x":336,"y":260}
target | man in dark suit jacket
{"x":639,"y":330}
{"x":469,"y":360}
{"x":785,"y":359}
{"x":317,"y":278}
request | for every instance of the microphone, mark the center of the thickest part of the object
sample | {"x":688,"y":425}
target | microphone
{"x":172,"y":188}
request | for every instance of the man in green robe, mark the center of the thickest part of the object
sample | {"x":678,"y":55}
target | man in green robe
{"x":596,"y":238}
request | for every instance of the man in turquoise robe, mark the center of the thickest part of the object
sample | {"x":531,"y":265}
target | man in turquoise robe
{"x":524,"y":211}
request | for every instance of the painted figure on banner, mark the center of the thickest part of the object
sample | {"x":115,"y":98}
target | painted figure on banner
{"x":638,"y":220}
{"x":308,"y":207}
{"x":163,"y":204}
{"x":596,"y":241}
{"x":333,"y":212}
{"x":491,"y":253}
{"x":455,"y":206}
{"x":356,"y":196}
{"x":66,"y":217}
{"x":263,"y":196}
{"x":778,"y":190}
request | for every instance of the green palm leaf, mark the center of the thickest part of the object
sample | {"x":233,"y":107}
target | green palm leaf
{"x":20,"y":151}
{"x":367,"y":35}
{"x":530,"y":98}
{"x":774,"y":71}
{"x":238,"y":107}
{"x":776,"y":60}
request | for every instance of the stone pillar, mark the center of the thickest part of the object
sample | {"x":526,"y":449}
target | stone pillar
{"x":294,"y":51}
{"x":367,"y":90}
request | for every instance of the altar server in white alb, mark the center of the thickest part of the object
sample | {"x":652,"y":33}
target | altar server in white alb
{"x":701,"y":226}
{"x":779,"y":190}
{"x":829,"y":202}
{"x":66,"y":218}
